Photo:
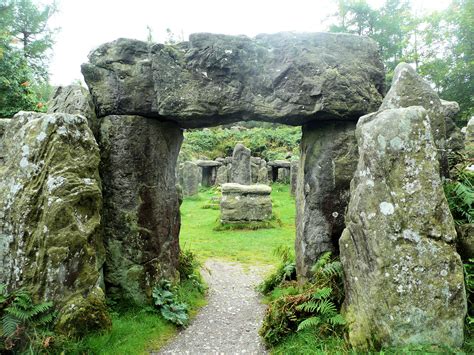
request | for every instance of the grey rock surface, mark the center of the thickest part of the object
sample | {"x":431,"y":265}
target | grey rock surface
{"x":245,"y":203}
{"x":283,"y":175}
{"x":191,"y":178}
{"x":241,"y":170}
{"x":74,"y":99}
{"x":288,"y":78}
{"x":293,"y":176}
{"x":327,"y":164}
{"x":222,"y":175}
{"x":50,"y":203}
{"x":4,"y":123}
{"x":403,"y":277}
{"x":141,"y":204}
{"x":229,"y":323}
{"x":410,"y":89}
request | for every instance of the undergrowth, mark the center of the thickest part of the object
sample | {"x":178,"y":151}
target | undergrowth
{"x":459,"y":192}
{"x":313,"y":306}
{"x":24,"y":323}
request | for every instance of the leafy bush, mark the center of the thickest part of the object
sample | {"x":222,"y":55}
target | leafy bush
{"x":24,"y":322}
{"x":317,"y":305}
{"x":169,"y":307}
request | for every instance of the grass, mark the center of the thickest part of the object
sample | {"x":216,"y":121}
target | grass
{"x":248,"y":247}
{"x":137,"y":331}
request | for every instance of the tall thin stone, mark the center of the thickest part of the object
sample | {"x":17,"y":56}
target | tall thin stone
{"x":241,"y":170}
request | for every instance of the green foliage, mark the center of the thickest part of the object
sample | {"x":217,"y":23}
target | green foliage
{"x":24,"y":322}
{"x":439,"y":44}
{"x":317,"y":305}
{"x":469,"y":282}
{"x":165,"y":300}
{"x":271,"y":144}
{"x":286,"y":271}
{"x":460,"y":194}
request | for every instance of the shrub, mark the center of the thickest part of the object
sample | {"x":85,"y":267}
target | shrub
{"x":286,"y":271}
{"x":460,"y":194}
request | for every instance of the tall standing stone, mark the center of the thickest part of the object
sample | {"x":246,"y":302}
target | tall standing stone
{"x":403,"y":278}
{"x":409,"y":89}
{"x":141,"y":204}
{"x":241,"y":171}
{"x":191,"y":178}
{"x":469,"y":139}
{"x":327,"y":165}
{"x":222,"y":177}
{"x":293,"y":176}
{"x":50,"y":202}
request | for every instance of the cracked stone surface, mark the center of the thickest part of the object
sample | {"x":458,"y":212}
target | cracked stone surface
{"x":229,"y":323}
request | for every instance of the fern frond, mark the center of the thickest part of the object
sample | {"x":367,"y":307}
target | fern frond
{"x":322,"y":261}
{"x":337,"y":319}
{"x":309,"y":323}
{"x":9,"y":325}
{"x":333,"y":269}
{"x":322,"y":293}
{"x":326,"y":308}
{"x":309,"y":307}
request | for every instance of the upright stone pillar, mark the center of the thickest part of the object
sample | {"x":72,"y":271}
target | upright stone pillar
{"x":241,"y":171}
{"x":327,"y":164}
{"x":403,"y":278}
{"x":293,"y":176}
{"x":141,"y":204}
{"x":191,"y":178}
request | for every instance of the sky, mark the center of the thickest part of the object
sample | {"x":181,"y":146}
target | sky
{"x":86,"y":24}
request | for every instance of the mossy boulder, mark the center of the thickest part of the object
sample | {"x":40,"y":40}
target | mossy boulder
{"x":51,"y":198}
{"x":327,"y":165}
{"x":403,"y":277}
{"x":141,"y":204}
{"x":4,"y":123}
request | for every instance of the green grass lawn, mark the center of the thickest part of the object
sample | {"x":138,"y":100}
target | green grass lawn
{"x":243,"y":246}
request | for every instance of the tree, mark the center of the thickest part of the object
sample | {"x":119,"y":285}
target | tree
{"x":29,"y":27}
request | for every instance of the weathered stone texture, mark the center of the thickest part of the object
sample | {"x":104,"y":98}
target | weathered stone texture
{"x":141,"y":204}
{"x":212,"y":79}
{"x":240,"y":169}
{"x":293,"y":176}
{"x":222,"y":175}
{"x":409,"y":89}
{"x":74,"y":99}
{"x":50,"y":197}
{"x":245,"y":203}
{"x":469,"y":139}
{"x":327,"y":164}
{"x":403,"y":278}
{"x":191,"y":177}
{"x":4,"y":123}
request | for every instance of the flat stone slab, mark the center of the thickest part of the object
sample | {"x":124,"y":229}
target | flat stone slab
{"x":257,"y":189}
{"x":280,"y":163}
{"x":207,"y":163}
{"x":289,"y":78}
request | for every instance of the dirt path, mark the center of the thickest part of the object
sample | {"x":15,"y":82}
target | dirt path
{"x":229,"y":323}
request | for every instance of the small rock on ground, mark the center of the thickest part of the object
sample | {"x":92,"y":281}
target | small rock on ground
{"x":229,"y":323}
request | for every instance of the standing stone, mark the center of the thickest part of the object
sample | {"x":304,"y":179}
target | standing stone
{"x":74,"y":99}
{"x":50,"y":202}
{"x":141,"y":204}
{"x":454,"y":138}
{"x":327,"y":165}
{"x":255,"y":167}
{"x":222,"y":177}
{"x":262,"y":175}
{"x":192,"y":176}
{"x":283,"y":175}
{"x":241,"y":173}
{"x":293,"y":176}
{"x":403,"y":278}
{"x":409,"y":89}
{"x":245,"y":203}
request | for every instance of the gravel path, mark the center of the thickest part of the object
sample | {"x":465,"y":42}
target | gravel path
{"x":229,"y":323}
